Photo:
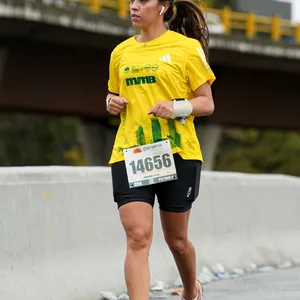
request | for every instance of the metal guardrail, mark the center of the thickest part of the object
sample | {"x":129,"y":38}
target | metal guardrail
{"x":249,"y":24}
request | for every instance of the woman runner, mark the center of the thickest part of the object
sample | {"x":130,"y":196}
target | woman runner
{"x":159,"y":80}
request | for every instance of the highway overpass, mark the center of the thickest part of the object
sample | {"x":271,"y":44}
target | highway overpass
{"x":55,"y":60}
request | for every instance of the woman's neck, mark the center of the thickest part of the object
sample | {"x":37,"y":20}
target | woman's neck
{"x":152,"y":33}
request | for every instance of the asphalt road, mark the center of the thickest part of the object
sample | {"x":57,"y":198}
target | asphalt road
{"x":275,"y":285}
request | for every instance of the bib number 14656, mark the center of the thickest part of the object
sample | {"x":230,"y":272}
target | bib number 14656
{"x":149,"y":164}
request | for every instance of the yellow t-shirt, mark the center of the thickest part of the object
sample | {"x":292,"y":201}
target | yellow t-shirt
{"x":170,"y":66}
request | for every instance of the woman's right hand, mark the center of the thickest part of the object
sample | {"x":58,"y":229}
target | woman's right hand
{"x":116,"y":104}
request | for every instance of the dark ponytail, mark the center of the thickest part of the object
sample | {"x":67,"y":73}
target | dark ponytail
{"x":189,"y":20}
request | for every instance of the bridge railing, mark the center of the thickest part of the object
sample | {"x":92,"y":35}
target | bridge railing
{"x":247,"y":24}
{"x":252,"y":25}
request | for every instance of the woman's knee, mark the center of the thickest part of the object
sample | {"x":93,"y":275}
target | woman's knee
{"x":177,"y":244}
{"x":139,"y":238}
{"x":137,"y":221}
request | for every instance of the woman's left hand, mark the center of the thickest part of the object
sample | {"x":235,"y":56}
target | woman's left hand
{"x":163,"y":109}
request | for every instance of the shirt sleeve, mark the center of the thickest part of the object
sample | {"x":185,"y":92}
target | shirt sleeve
{"x":113,"y":82}
{"x":197,"y":68}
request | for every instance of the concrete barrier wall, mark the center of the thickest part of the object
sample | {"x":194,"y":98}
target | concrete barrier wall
{"x":61,"y":238}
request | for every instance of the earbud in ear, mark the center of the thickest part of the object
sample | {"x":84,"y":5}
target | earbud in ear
{"x":162,"y":10}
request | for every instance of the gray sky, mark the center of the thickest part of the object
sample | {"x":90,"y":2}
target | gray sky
{"x":295,"y":9}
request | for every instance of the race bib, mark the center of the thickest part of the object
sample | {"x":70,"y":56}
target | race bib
{"x":150,"y":164}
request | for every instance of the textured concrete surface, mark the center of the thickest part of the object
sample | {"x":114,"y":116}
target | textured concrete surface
{"x":60,"y":229}
{"x":277,"y":285}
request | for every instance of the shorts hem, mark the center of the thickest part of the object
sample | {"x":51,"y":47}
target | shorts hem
{"x":176,"y":210}
{"x":123,"y":202}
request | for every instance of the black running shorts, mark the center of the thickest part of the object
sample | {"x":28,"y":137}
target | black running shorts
{"x":173,"y":196}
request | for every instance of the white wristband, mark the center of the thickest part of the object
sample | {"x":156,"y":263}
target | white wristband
{"x":107,"y":101}
{"x":182,"y":108}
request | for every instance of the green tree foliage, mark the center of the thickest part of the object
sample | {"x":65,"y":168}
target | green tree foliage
{"x":34,"y":140}
{"x":38,"y":140}
{"x":259,"y":151}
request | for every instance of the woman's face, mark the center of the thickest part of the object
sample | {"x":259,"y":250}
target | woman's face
{"x":145,"y":13}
